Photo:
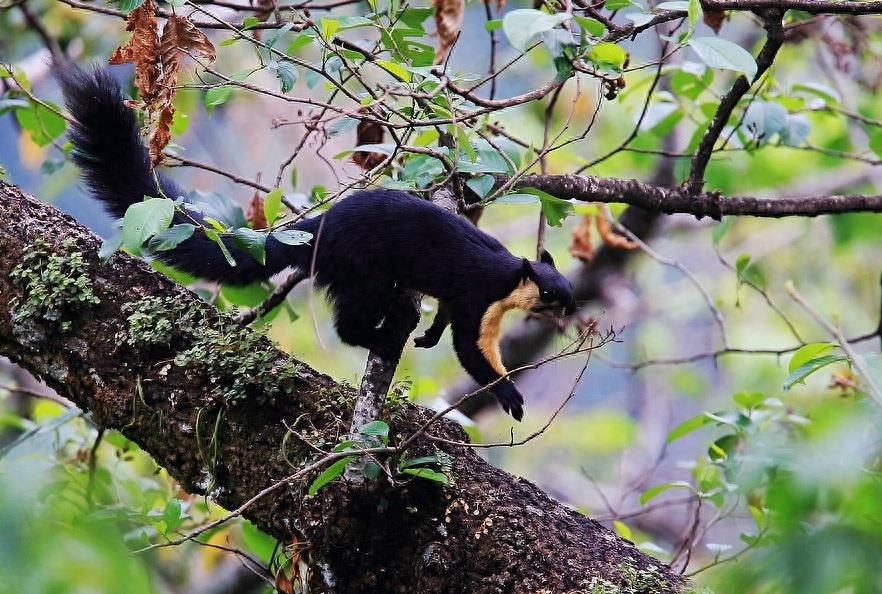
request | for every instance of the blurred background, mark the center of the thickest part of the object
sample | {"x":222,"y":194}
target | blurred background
{"x":702,"y":448}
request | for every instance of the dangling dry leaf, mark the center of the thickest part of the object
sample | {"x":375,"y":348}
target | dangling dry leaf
{"x":368,"y":133}
{"x":142,"y":49}
{"x":448,"y":18}
{"x":180,"y":37}
{"x":256,"y":215}
{"x":500,"y":4}
{"x":161,"y":133}
{"x":580,"y":244}
{"x":715,"y":19}
{"x":610,"y":237}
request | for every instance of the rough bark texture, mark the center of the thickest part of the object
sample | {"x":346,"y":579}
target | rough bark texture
{"x":489,"y":532}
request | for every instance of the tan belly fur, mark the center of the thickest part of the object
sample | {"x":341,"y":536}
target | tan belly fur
{"x":526,"y":297}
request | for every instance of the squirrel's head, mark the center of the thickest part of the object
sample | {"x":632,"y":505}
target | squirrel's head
{"x":555,"y":291}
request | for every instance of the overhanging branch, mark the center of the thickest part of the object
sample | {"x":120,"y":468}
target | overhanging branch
{"x":673,"y":200}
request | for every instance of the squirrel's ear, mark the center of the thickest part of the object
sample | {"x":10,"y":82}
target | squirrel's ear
{"x":527,"y":272}
{"x":546,"y":258}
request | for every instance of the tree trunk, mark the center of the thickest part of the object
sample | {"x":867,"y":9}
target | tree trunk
{"x":219,"y":418}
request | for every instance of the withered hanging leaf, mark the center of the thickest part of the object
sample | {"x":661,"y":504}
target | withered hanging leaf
{"x":715,"y":19}
{"x":448,"y":18}
{"x":610,"y":237}
{"x":580,"y":244}
{"x":368,"y":133}
{"x":162,"y":132}
{"x":142,"y":49}
{"x":255,"y":214}
{"x":180,"y":37}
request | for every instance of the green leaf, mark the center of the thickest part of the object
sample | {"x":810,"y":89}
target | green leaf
{"x":396,"y":69}
{"x":251,"y":21}
{"x":428,"y":474}
{"x":287,"y":74}
{"x":688,"y":426}
{"x":329,"y":474}
{"x":481,"y":185}
{"x":876,"y":142}
{"x":492,"y":25}
{"x":808,"y":352}
{"x":171,"y":237}
{"x":608,"y":54}
{"x":749,"y":272}
{"x":109,"y":247}
{"x":616,"y":4}
{"x":418,"y":461}
{"x":214,"y":236}
{"x":721,"y":229}
{"x":171,"y":515}
{"x":128,"y":6}
{"x":554,"y":208}
{"x":301,"y":41}
{"x":258,"y":542}
{"x":341,"y":126}
{"x":376,"y":429}
{"x":145,"y":219}
{"x":42,"y":124}
{"x":272,"y":206}
{"x":653,"y":492}
{"x":623,"y":530}
{"x":799,"y":374}
{"x":328,"y":27}
{"x":591,"y":26}
{"x":521,"y":26}
{"x":517,"y":198}
{"x":681,"y":5}
{"x":253,"y":242}
{"x":217,"y":96}
{"x":291,"y":236}
{"x":695,"y":12}
{"x":748,"y":399}
{"x":723,"y":54}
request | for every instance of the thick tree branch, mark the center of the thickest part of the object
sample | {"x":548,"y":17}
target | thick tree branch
{"x":673,"y":200}
{"x":487,"y":532}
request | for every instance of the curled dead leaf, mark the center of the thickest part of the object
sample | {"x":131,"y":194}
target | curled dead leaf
{"x":580,"y":243}
{"x":368,"y":133}
{"x":448,"y":18}
{"x":610,"y":237}
{"x":142,"y":49}
{"x":256,"y":215}
{"x":180,"y":38}
{"x":715,"y":19}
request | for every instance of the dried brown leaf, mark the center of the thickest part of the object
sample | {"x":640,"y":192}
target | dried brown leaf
{"x":161,"y":133}
{"x":580,"y":244}
{"x":715,"y":19}
{"x":368,"y":133}
{"x":610,"y":237}
{"x":142,"y":49}
{"x":180,"y":37}
{"x":448,"y":18}
{"x":255,"y":215}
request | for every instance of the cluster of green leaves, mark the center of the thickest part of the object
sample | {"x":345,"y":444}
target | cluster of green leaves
{"x":239,"y":361}
{"x":435,"y":467}
{"x":148,"y":224}
{"x":56,"y":284}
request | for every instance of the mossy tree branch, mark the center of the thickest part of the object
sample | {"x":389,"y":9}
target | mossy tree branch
{"x":488,"y":532}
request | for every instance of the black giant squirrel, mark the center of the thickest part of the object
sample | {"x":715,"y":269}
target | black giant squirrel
{"x":372,"y":245}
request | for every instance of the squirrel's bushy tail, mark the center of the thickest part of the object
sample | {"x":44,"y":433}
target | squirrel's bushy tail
{"x":116,"y":167}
